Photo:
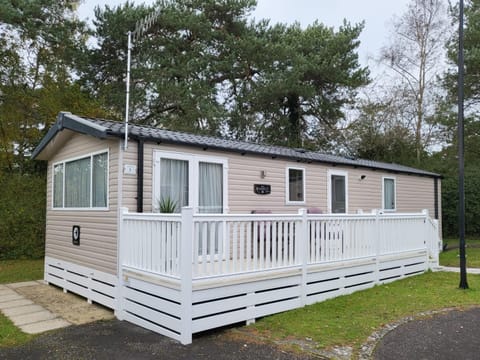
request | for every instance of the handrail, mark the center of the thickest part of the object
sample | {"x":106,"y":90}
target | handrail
{"x":235,"y":243}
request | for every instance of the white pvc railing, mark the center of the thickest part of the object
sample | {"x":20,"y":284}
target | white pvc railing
{"x":151,"y":242}
{"x":223,"y":244}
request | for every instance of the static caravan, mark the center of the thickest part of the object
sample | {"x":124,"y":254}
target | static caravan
{"x":181,"y":233}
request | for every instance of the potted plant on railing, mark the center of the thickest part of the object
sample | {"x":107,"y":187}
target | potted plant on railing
{"x":167,"y":206}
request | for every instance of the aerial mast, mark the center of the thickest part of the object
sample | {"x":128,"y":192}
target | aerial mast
{"x":141,"y":27}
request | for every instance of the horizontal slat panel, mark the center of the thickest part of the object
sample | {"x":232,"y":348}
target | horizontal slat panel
{"x":104,"y":300}
{"x":153,"y":302}
{"x":277,"y":294}
{"x":160,"y":291}
{"x":277,"y":307}
{"x":150,"y":326}
{"x":153,"y":316}
{"x":222,"y":305}
{"x":415,"y":268}
{"x":82,"y":281}
{"x":102,"y":288}
{"x":221,"y":320}
{"x":243,"y":288}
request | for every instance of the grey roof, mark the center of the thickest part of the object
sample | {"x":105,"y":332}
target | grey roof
{"x":106,"y":128}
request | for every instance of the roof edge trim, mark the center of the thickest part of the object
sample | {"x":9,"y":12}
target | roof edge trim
{"x":66,"y":120}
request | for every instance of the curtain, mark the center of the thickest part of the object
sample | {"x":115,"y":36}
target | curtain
{"x":174,"y":182}
{"x":99,"y":180}
{"x":58,"y":186}
{"x":389,"y":194}
{"x":210,"y":189}
{"x":77,"y":183}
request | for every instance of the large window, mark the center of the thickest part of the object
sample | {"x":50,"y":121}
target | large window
{"x":389,"y":193}
{"x":189,"y":180}
{"x":81,"y":183}
{"x":295,"y":185}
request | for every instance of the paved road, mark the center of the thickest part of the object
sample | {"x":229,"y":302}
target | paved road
{"x":449,"y":336}
{"x":119,"y":340}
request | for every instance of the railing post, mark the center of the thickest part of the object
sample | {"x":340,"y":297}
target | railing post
{"x":304,"y":249}
{"x":186,"y":253}
{"x":437,"y":244}
{"x":431,"y":242}
{"x":426,"y":236}
{"x":122,"y":236}
{"x":377,"y":245}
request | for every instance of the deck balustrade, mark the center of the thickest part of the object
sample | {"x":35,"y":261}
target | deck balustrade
{"x":181,"y":274}
{"x":223,"y":244}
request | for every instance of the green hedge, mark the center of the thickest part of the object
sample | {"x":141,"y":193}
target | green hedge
{"x":22,"y":216}
{"x":472,"y":204}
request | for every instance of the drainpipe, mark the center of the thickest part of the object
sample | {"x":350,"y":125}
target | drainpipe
{"x":435,"y":200}
{"x":140,"y":149}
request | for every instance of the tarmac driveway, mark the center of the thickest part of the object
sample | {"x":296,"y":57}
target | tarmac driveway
{"x":119,"y":340}
{"x":452,"y":335}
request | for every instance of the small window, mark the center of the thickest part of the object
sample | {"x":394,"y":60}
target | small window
{"x":81,"y":183}
{"x":296,"y":185}
{"x":389,"y":194}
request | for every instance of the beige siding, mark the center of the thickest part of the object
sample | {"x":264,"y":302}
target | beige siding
{"x":129,"y":196}
{"x":148,"y":178}
{"x":98,"y":229}
{"x":414,"y":193}
{"x":98,"y":248}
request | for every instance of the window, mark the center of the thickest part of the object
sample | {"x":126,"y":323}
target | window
{"x":389,"y":193}
{"x":58,"y":186}
{"x":173,"y":184}
{"x":210,"y":188}
{"x":81,"y":183}
{"x":190,"y":180}
{"x":337,"y":192}
{"x":296,"y":185}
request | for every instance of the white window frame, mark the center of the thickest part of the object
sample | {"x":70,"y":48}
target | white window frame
{"x":64,"y":162}
{"x":331,"y":172}
{"x":287,"y":185}
{"x":394,"y":192}
{"x":193,"y":166}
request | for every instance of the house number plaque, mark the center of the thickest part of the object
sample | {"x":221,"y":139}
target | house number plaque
{"x":76,"y":235}
{"x":262,"y":189}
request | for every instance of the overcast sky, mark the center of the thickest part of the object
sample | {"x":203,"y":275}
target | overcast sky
{"x":377,"y":15}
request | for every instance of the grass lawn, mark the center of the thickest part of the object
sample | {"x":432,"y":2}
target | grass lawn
{"x":16,"y":271}
{"x":20,"y":270}
{"x":349,"y":320}
{"x":10,"y":335}
{"x":451,"y":256}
